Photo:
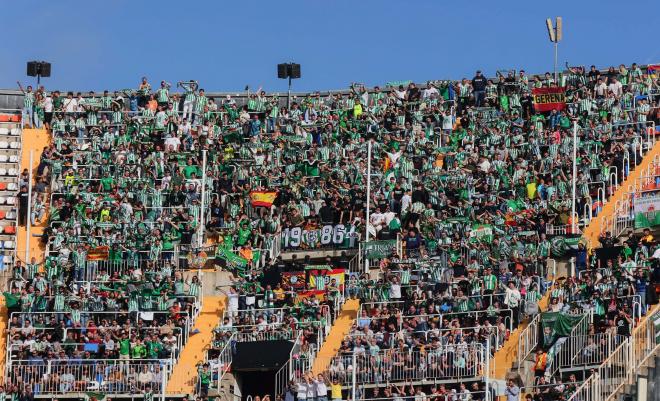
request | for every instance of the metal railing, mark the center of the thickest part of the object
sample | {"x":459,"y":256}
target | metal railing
{"x":584,"y":351}
{"x":622,"y":365}
{"x":529,"y":340}
{"x":295,"y":367}
{"x":493,"y":333}
{"x":80,"y":376}
{"x":221,"y":364}
{"x":444,"y":363}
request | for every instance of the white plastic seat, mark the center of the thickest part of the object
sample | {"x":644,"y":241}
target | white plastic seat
{"x":16,"y":131}
{"x":13,"y":172}
{"x":13,"y":159}
{"x":4,"y":158}
{"x":4,"y":131}
{"x":12,"y":186}
{"x":3,"y":171}
{"x":4,"y":144}
{"x":9,"y":244}
{"x":7,"y":259}
{"x":15,"y":145}
{"x":11,"y":200}
{"x":10,"y":215}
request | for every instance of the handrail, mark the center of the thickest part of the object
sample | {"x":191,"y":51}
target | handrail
{"x":223,"y":361}
{"x":622,"y":365}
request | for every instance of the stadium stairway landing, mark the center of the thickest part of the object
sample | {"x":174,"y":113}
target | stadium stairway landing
{"x":37,"y":140}
{"x":593,"y":230}
{"x":184,"y":375}
{"x":339,"y":330}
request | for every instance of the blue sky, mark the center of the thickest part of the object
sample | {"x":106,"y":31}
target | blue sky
{"x":226,"y":45}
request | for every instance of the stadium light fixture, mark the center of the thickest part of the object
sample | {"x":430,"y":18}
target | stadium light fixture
{"x":38,"y":69}
{"x":291,"y":71}
{"x":555,"y":35}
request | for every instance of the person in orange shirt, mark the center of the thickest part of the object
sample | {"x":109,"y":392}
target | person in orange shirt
{"x":540,"y":363}
{"x":152,"y":104}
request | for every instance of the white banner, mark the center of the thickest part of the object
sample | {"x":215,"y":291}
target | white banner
{"x":647,"y":204}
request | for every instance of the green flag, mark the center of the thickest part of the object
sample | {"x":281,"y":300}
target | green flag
{"x":11,"y":300}
{"x":94,"y":396}
{"x":560,"y":323}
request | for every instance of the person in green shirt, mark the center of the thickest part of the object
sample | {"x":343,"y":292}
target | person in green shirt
{"x":138,"y":350}
{"x":204,"y":381}
{"x":154,"y":348}
{"x":124,"y":347}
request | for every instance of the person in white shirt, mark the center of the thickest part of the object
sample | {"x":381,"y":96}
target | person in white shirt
{"x":600,"y":90}
{"x":512,"y":300}
{"x":406,"y":201}
{"x":429,"y":91}
{"x":377,"y":220}
{"x":70,"y":104}
{"x":172,"y":142}
{"x":389,"y":216}
{"x":395,"y":289}
{"x":311,"y":388}
{"x":400,"y":92}
{"x":616,"y":87}
{"x":321,"y":388}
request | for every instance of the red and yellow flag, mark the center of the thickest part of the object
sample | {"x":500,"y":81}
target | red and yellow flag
{"x":263,"y":198}
{"x":99,"y":253}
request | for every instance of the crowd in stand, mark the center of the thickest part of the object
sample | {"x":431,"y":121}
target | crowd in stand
{"x":468,"y":175}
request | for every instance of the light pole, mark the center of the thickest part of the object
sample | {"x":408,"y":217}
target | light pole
{"x":574,"y":179}
{"x":366,"y":236}
{"x":555,"y":34}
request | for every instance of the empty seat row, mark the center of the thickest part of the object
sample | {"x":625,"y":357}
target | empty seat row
{"x":8,"y":215}
{"x":12,"y":172}
{"x":5,"y":118}
{"x":9,"y":230}
{"x":7,"y":200}
{"x":10,"y":131}
{"x":8,"y":186}
{"x":10,"y":145}
{"x":7,"y":244}
{"x":8,"y":158}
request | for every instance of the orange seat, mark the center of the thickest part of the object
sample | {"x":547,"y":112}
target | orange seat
{"x":17,"y":118}
{"x":3,"y":214}
{"x":10,"y":230}
{"x":3,"y":186}
{"x":4,"y":118}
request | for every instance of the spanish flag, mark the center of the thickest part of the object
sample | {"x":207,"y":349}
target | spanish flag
{"x":263,"y":198}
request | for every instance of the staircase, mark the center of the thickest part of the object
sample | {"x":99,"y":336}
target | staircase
{"x":183,"y":379}
{"x":33,"y":140}
{"x":340,"y":328}
{"x":609,"y":218}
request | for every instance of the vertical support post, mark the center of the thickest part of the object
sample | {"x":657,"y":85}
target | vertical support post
{"x":164,"y":374}
{"x":28,"y":219}
{"x":366,"y":236}
{"x":486,"y":355}
{"x":555,"y":69}
{"x":288,"y":96}
{"x":354,"y":377}
{"x":573,"y":222}
{"x":200,"y":235}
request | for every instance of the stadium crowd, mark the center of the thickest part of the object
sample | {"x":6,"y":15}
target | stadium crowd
{"x":467,"y":175}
